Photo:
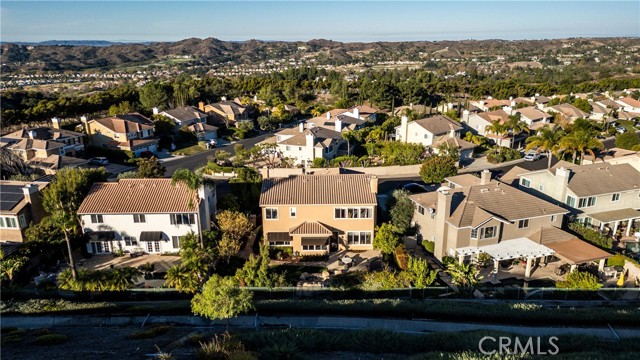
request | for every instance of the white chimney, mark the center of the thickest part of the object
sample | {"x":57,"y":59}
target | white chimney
{"x":410,"y":105}
{"x":481,"y":104}
{"x":255,"y":97}
{"x":537,"y":94}
{"x":513,"y":104}
{"x":450,"y":106}
{"x":309,"y":140}
{"x":465,"y":115}
{"x":55,"y":122}
{"x":301,"y":127}
{"x":533,"y":99}
{"x":328,"y":115}
{"x":404,"y":120}
{"x":563,"y":174}
{"x":338,"y":126}
{"x":356,"y":113}
{"x":510,"y":98}
{"x":32,"y":134}
{"x":156,"y":111}
{"x":223,"y":98}
{"x":485,"y":177}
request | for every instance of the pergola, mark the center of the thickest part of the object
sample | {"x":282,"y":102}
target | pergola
{"x":616,"y":217}
{"x":576,"y":251}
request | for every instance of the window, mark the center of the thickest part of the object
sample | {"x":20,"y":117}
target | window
{"x":8,"y":222}
{"x":23,"y":221}
{"x":139,"y":218}
{"x":280,"y":243}
{"x":293,"y":212}
{"x":541,"y":187}
{"x":340,"y":213}
{"x":587,"y":202}
{"x":523,"y":224}
{"x":426,"y":136}
{"x":474,"y":233}
{"x":358,"y":237}
{"x":571,"y":201}
{"x":175,"y":240}
{"x":615,"y":197}
{"x":554,"y":218}
{"x":365,"y":213}
{"x":271,"y":213}
{"x":130,"y":241}
{"x":525,"y":182}
{"x":488,"y":232}
{"x":96,"y":219}
{"x":353,"y":213}
{"x":183,"y":219}
{"x":421,"y":209}
{"x":587,"y":221}
{"x":287,"y":148}
{"x":153,"y":246}
{"x":314,"y":247}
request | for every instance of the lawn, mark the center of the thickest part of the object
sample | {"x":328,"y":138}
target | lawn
{"x":188,"y":150}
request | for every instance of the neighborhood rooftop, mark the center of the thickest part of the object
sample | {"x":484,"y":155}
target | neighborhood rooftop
{"x":602,"y":178}
{"x":318,"y":190}
{"x":132,"y":196}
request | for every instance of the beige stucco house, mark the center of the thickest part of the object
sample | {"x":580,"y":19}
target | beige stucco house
{"x":127,"y":132}
{"x":21,"y":205}
{"x":602,"y":194}
{"x":318,"y":214}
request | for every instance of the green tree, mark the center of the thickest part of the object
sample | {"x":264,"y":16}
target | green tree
{"x":182,"y":279}
{"x":62,"y":198}
{"x":191,"y":180}
{"x":402,"y":211}
{"x":256,"y":271}
{"x":155,"y":94}
{"x":196,"y":258}
{"x":247,"y":185}
{"x":465,"y":275}
{"x":580,"y":142}
{"x":547,"y":139}
{"x":420,"y":273}
{"x":348,"y":136}
{"x":122,"y":108}
{"x":435,"y":168}
{"x":265,"y":123}
{"x":221,"y":298}
{"x":627,"y":140}
{"x":580,"y":280}
{"x":150,"y":168}
{"x":234,"y":224}
{"x":386,"y":239}
{"x":10,"y":266}
{"x":497,"y":127}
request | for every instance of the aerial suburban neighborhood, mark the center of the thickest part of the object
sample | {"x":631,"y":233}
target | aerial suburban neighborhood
{"x":210,"y":199}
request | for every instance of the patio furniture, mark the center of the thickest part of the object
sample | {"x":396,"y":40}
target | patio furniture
{"x":609,"y":272}
{"x":347,"y":261}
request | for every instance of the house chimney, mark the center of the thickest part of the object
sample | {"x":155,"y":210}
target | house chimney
{"x":513,"y":104}
{"x":55,"y":122}
{"x":338,"y":125}
{"x":404,"y":128}
{"x":510,"y":98}
{"x":301,"y":127}
{"x":481,"y":103}
{"x":201,"y":106}
{"x":328,"y":115}
{"x":223,"y":98}
{"x":410,"y":105}
{"x":255,"y":97}
{"x":443,"y":211}
{"x":356,"y":112}
{"x":533,"y":99}
{"x":30,"y":192}
{"x":155,"y":111}
{"x":485,"y":177}
{"x":85,"y":124}
{"x":465,"y":115}
{"x":309,"y":140}
{"x":374,"y":184}
{"x":32,"y":134}
{"x":563,"y":174}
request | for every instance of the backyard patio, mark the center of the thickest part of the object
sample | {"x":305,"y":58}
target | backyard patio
{"x":154,"y":278}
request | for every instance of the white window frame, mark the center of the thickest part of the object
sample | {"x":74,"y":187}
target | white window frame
{"x":527,"y":184}
{"x":474,"y":233}
{"x":483,"y":232}
{"x":97,"y":219}
{"x":523,"y":224}
{"x":554,"y":217}
{"x":182,"y":219}
{"x":314,"y":247}
{"x":421,"y":209}
{"x":175,"y":240}
{"x":269,"y":213}
{"x":571,"y":201}
{"x":359,"y":238}
{"x":130,"y":241}
{"x":615,"y":197}
{"x":139,"y":218}
{"x":361,"y":212}
{"x":587,"y":202}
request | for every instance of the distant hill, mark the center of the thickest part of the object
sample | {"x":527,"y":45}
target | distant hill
{"x":78,"y":43}
{"x":80,"y":55}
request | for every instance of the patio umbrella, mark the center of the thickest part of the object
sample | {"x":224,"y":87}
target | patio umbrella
{"x":621,"y":279}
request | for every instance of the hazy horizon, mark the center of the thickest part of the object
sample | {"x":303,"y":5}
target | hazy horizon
{"x":170,"y":21}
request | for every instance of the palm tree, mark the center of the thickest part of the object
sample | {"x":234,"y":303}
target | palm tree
{"x":579,"y":142}
{"x":190,"y":179}
{"x":475,"y":138}
{"x":182,"y":279}
{"x":465,"y":275}
{"x":497,"y":127}
{"x":516,"y":125}
{"x":348,"y":136}
{"x":546,"y":139}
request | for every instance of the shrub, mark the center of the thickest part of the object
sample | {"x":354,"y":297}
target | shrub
{"x":281,"y":252}
{"x":503,"y":154}
{"x":429,"y":246}
{"x":384,"y":280}
{"x":51,"y":339}
{"x":627,"y":140}
{"x":223,"y":347}
{"x":592,"y":236}
{"x":436,"y":168}
{"x":581,"y":280}
{"x":120,"y":279}
{"x":619,"y":260}
{"x":402,"y":258}
{"x":38,"y":306}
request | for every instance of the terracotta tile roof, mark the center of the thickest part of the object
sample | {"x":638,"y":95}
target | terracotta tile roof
{"x":28,"y":144}
{"x":438,"y":124}
{"x":310,"y":228}
{"x":624,"y":115}
{"x":491,"y":116}
{"x":139,"y":196}
{"x":569,"y":111}
{"x":43,"y":133}
{"x":351,"y":189}
{"x":126,"y":123}
{"x":186,"y":113}
{"x":596,"y":179}
{"x":630,"y":102}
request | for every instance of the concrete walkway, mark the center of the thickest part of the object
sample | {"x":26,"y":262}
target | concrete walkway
{"x":313,"y":322}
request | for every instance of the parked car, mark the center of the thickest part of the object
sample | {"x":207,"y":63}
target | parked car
{"x":532,"y":156}
{"x":211,"y":144}
{"x":414,"y":188}
{"x":621,"y":129}
{"x":99,"y":161}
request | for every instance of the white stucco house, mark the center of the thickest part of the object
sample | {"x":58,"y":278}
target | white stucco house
{"x":144,"y":215}
{"x":433,"y":132}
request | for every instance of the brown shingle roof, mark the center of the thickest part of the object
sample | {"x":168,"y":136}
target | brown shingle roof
{"x":144,"y":196}
{"x":549,"y":234}
{"x":310,"y":228}
{"x":186,"y":113}
{"x":27,"y":144}
{"x":595,"y":179}
{"x":576,"y":251}
{"x":533,"y":113}
{"x":569,"y":110}
{"x":202,"y":128}
{"x":352,"y":189}
{"x":491,"y":116}
{"x":439,"y":124}
{"x":630,"y":102}
{"x":126,"y":123}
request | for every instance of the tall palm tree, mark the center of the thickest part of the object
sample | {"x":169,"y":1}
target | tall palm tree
{"x":516,"y":125}
{"x":475,"y":138}
{"x":497,"y":127}
{"x":546,"y":139}
{"x":580,"y":142}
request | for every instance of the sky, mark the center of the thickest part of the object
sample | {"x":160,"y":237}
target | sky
{"x":305,"y":20}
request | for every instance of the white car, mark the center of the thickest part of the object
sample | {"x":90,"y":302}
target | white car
{"x":621,"y":129}
{"x":531,"y":156}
